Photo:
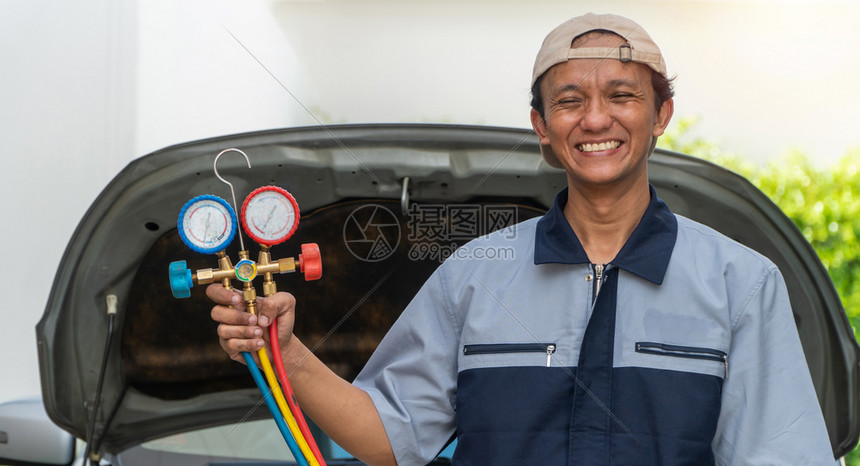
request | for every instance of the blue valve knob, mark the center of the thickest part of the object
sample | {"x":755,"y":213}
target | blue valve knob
{"x":180,"y":280}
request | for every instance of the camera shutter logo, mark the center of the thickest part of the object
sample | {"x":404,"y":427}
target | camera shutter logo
{"x":371,"y":233}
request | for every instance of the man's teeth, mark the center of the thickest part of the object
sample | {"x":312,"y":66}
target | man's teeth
{"x":599,"y":147}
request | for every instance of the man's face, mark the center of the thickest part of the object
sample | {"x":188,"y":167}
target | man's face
{"x":600,"y":117}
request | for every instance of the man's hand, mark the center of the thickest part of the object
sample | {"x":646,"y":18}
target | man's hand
{"x":240,"y":331}
{"x":346,"y":413}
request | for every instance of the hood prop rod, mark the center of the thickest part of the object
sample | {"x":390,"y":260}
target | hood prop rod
{"x":404,"y":197}
{"x":111,"y":301}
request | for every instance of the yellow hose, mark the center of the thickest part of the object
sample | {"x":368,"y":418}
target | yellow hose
{"x":285,"y":410}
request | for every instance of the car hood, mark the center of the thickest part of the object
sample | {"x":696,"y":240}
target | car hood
{"x":165,"y":371}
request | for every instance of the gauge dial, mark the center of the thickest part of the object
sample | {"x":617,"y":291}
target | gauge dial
{"x":270,"y":215}
{"x":207,"y":224}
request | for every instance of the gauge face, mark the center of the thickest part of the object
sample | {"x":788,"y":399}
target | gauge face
{"x":207,"y":224}
{"x":270,"y":215}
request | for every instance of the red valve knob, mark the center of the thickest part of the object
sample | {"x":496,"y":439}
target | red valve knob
{"x":310,"y":262}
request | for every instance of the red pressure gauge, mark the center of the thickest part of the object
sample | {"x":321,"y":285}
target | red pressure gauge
{"x":270,"y":215}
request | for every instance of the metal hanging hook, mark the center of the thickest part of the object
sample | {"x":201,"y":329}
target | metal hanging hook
{"x":232,"y":191}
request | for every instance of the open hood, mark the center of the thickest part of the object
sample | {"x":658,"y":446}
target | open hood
{"x":166,"y":372}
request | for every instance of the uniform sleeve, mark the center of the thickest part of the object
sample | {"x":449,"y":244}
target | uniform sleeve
{"x":412,"y":376}
{"x":770,"y":413}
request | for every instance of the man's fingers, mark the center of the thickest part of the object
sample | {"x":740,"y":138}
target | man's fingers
{"x":222,"y":295}
{"x":230,"y":316}
{"x":237,"y":344}
{"x":239,"y":331}
{"x":276,"y":306}
{"x":227,"y":332}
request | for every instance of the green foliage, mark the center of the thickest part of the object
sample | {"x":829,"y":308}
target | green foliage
{"x":824,"y":203}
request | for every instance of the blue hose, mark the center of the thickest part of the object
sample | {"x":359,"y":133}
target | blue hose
{"x":276,"y":414}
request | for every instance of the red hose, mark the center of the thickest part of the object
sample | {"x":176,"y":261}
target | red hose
{"x":288,"y":391}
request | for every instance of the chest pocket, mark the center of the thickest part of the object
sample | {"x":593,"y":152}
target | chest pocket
{"x":685,"y":352}
{"x":511,"y":354}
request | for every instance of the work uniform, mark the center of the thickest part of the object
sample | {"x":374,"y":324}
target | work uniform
{"x":682,"y":350}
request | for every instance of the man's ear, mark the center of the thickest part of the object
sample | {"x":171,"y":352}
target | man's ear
{"x":664,"y":115}
{"x":539,"y":125}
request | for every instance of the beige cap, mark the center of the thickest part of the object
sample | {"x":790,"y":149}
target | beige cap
{"x":556,"y":49}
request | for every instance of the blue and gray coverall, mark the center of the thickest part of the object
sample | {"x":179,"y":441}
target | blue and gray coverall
{"x":682,"y":350}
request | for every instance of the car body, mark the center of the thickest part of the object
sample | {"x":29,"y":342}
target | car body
{"x":164,"y":371}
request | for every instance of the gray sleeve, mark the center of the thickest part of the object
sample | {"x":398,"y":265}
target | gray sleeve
{"x":770,"y":413}
{"x":412,"y":376}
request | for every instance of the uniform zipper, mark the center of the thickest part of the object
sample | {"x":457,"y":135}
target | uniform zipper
{"x":600,"y":271}
{"x":598,"y":278}
{"x":689,"y":352}
{"x":497,"y":348}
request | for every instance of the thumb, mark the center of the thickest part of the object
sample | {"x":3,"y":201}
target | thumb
{"x":279,"y":305}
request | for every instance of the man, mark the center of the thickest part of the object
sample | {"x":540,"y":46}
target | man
{"x":620,"y":333}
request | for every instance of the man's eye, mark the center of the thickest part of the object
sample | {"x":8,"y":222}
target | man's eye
{"x":622,"y":96}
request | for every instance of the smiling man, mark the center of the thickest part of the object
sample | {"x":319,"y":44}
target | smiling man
{"x":619,"y":334}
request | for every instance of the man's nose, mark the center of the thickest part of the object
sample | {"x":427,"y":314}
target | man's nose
{"x":597,"y":116}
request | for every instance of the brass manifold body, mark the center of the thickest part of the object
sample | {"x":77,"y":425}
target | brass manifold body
{"x":246,"y":271}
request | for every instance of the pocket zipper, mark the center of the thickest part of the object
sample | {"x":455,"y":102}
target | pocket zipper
{"x":497,"y":348}
{"x":689,"y":352}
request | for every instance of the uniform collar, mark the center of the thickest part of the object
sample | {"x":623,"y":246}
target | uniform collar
{"x":645,"y":254}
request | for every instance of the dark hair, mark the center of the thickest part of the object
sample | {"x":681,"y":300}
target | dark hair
{"x":663,"y":91}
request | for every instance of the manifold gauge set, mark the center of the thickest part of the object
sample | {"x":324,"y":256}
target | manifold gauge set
{"x":208,"y":224}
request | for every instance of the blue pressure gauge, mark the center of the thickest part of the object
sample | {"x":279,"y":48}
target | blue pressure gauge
{"x":207,"y":224}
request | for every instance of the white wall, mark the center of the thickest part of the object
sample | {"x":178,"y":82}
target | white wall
{"x":67,"y":111}
{"x":765,"y":76}
{"x":196,"y":80}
